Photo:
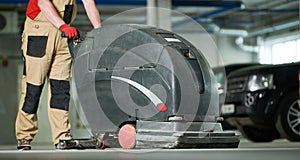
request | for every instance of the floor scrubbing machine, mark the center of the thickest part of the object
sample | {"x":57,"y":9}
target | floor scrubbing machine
{"x":144,"y":87}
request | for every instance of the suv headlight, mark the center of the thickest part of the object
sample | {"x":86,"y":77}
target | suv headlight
{"x":260,"y":81}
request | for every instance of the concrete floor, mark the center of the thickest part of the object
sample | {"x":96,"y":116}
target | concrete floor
{"x":277,"y":150}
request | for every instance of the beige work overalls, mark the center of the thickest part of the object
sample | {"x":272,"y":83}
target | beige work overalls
{"x":46,"y":56}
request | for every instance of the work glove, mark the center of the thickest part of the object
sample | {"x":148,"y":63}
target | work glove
{"x":68,"y":31}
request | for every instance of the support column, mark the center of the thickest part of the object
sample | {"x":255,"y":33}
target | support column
{"x":152,"y":13}
{"x":159,"y":13}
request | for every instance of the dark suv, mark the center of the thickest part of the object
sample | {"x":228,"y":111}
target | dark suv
{"x":221,"y":73}
{"x":263,"y":102}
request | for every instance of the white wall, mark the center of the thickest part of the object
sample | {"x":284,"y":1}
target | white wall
{"x":217,"y":49}
{"x":230,"y":53}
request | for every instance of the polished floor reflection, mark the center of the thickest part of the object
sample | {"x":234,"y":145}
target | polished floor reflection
{"x":277,"y":150}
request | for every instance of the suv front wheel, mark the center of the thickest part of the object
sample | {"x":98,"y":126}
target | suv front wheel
{"x":288,"y":117}
{"x":256,"y":134}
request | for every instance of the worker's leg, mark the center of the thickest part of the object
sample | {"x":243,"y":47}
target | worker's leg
{"x":37,"y":51}
{"x":59,"y":96}
{"x":26,"y":123}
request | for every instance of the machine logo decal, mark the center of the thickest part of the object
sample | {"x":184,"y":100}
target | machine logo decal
{"x":153,"y":98}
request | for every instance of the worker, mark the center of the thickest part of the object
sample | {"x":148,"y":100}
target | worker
{"x":46,"y":56}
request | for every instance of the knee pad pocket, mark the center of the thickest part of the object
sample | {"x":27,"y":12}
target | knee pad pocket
{"x":60,"y":96}
{"x":32,"y":98}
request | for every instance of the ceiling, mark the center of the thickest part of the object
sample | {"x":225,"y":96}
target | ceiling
{"x":246,"y":18}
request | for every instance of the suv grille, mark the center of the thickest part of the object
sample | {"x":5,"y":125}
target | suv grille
{"x":236,"y":84}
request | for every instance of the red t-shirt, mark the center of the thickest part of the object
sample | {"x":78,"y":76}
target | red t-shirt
{"x":32,"y":9}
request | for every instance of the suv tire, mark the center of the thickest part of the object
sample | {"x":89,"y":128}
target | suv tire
{"x":259,"y":134}
{"x":288,"y":117}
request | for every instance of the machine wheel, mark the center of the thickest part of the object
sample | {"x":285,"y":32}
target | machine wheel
{"x":288,"y":117}
{"x":127,"y":136}
{"x":259,"y":134}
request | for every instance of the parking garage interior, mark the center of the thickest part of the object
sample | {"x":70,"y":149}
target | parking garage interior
{"x":226,"y":32}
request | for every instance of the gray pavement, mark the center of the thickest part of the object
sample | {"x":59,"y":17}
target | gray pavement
{"x":277,"y":150}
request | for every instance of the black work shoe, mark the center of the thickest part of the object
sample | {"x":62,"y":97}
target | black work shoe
{"x":63,"y":141}
{"x":24,"y":144}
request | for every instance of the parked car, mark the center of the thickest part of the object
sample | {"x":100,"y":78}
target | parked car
{"x":221,"y":73}
{"x":263,"y":102}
